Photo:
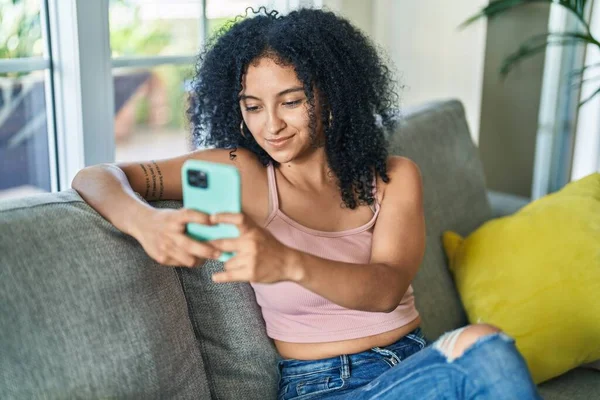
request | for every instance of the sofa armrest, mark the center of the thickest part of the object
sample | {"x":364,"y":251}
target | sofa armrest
{"x":503,"y":204}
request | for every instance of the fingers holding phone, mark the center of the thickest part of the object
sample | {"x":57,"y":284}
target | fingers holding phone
{"x":164,"y":237}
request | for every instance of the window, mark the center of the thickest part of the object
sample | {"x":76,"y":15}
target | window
{"x":88,"y":82}
{"x":26,"y":136}
{"x":150,"y":105}
{"x":153,"y":45}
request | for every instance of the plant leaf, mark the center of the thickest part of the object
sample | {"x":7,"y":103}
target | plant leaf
{"x":497,"y":7}
{"x":538,"y":43}
{"x":580,"y":71}
{"x":578,"y":83}
{"x":550,"y":36}
{"x":590,"y":97}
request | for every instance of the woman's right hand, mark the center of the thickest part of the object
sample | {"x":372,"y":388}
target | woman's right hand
{"x":162,"y":234}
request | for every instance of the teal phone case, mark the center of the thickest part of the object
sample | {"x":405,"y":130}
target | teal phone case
{"x":221,"y":194}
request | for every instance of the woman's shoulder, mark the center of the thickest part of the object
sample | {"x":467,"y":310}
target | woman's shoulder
{"x":253,"y":175}
{"x":247,"y":162}
{"x":404,"y":176}
{"x":244,"y":160}
{"x":401,"y":165}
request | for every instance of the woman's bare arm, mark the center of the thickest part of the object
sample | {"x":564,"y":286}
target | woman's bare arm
{"x":106,"y":189}
{"x":110,"y":188}
{"x":397,"y":251}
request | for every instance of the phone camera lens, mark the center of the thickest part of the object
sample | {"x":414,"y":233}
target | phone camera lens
{"x":198,"y":179}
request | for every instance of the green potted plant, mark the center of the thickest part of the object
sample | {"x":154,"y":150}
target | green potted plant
{"x":538,"y":43}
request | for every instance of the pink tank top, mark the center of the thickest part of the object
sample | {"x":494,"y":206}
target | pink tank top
{"x":295,"y":314}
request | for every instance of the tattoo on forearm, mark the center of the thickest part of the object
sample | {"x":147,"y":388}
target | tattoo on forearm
{"x":155,"y":174}
{"x":153,"y":181}
{"x":147,"y":181}
{"x":160,"y":178}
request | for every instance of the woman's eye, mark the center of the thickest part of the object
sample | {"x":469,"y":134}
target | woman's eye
{"x":289,"y":104}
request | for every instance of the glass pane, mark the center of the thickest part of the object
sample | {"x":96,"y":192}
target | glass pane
{"x":150,"y":112}
{"x":24,"y":150}
{"x":218,"y":12}
{"x":154,"y":27}
{"x":20,"y":29}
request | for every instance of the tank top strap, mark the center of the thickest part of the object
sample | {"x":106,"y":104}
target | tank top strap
{"x":274,"y":200}
{"x":376,"y":205}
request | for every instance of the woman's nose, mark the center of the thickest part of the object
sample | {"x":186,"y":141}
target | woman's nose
{"x":275,"y":124}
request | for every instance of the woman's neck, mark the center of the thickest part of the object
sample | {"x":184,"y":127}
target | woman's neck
{"x":310,"y":172}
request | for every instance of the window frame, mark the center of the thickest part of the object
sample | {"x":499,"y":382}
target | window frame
{"x":81,"y":69}
{"x":586,"y":149}
{"x":28,"y":64}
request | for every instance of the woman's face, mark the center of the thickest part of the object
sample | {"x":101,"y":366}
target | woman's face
{"x":275,"y":110}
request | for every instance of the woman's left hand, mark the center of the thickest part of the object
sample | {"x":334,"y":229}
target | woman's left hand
{"x":259,"y":257}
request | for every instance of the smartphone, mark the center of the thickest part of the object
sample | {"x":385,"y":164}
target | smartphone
{"x":211,"y":188}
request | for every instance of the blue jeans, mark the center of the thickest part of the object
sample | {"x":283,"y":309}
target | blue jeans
{"x":492,"y":368}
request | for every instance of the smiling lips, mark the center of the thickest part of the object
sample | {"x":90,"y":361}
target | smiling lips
{"x":279,"y":142}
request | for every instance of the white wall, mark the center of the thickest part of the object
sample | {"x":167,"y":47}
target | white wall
{"x":433,"y":59}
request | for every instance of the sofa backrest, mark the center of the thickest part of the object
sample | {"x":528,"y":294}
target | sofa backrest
{"x":436,"y":137}
{"x":86,"y":312}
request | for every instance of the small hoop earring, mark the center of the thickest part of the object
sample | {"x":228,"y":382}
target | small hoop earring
{"x":242,"y":129}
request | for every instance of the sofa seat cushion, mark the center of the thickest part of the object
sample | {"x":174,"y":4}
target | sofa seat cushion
{"x":577,"y":384}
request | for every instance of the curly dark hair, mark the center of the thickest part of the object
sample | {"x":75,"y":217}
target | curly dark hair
{"x":329,"y":55}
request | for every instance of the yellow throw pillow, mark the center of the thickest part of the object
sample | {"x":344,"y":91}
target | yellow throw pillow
{"x":536,"y":275}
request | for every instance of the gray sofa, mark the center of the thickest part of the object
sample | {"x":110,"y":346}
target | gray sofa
{"x":85,"y":313}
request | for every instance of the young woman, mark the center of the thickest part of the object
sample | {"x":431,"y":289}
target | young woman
{"x":332,"y":228}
